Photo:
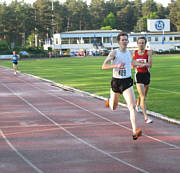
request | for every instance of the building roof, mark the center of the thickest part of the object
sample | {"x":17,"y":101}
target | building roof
{"x":92,"y":31}
{"x":154,"y":33}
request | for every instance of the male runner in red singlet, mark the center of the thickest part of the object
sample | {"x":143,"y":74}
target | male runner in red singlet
{"x":142,"y":75}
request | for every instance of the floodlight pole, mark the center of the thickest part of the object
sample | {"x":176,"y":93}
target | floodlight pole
{"x":52,"y":22}
{"x":35,"y":33}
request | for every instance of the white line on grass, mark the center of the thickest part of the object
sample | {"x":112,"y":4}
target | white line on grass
{"x":174,"y":92}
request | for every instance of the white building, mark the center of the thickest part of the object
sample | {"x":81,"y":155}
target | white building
{"x":106,"y":39}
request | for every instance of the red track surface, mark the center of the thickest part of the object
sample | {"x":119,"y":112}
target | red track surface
{"x":44,"y":129}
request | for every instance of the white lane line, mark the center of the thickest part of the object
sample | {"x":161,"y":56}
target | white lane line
{"x":91,"y":112}
{"x":65,"y":100}
{"x":150,"y":150}
{"x":61,"y":86}
{"x":76,"y":137}
{"x":67,"y":125}
{"x":19,"y":154}
{"x":32,"y":131}
{"x":52,"y":128}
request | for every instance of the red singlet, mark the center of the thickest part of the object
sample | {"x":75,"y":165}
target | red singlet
{"x":141,"y":58}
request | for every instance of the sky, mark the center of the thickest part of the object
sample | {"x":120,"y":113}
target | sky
{"x":163,"y":2}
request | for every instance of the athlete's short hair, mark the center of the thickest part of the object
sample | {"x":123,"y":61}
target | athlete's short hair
{"x":121,"y":34}
{"x":144,"y":38}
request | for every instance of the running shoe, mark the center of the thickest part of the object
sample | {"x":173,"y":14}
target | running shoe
{"x":107,"y":103}
{"x":148,"y":120}
{"x":138,"y":109}
{"x":137,"y":134}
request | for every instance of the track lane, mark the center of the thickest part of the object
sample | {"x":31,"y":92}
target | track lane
{"x":105,"y":140}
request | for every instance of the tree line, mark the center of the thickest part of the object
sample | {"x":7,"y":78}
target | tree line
{"x":21,"y":24}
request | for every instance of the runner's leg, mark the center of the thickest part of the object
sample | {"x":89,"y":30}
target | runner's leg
{"x":141,"y":91}
{"x":146,"y":88}
{"x":130,"y":100}
{"x":113,"y":100}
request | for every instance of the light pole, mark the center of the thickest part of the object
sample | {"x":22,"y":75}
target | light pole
{"x":35,"y":33}
{"x":52,"y":22}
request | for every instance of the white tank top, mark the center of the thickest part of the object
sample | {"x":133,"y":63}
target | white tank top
{"x":120,"y":57}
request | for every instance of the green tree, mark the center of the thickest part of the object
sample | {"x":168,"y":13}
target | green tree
{"x":30,"y":41}
{"x":109,"y":7}
{"x":59,"y":20}
{"x":120,"y":4}
{"x":78,"y":15}
{"x":4,"y":47}
{"x":106,"y":28}
{"x":126,"y":19}
{"x":141,"y":24}
{"x":15,"y":22}
{"x":4,"y":13}
{"x":161,"y":11}
{"x":178,"y":14}
{"x":43,"y":19}
{"x":148,"y":7}
{"x":138,"y":8}
{"x":173,"y":15}
{"x":97,"y":10}
{"x":110,"y":20}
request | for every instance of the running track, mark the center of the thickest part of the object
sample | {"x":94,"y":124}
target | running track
{"x":45,"y":129}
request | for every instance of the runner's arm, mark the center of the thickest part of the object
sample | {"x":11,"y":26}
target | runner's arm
{"x":110,"y":58}
{"x":149,"y":63}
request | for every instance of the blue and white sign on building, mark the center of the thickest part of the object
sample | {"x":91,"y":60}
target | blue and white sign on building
{"x":157,"y":25}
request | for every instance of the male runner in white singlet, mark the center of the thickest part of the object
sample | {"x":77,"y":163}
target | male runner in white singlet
{"x":121,"y":82}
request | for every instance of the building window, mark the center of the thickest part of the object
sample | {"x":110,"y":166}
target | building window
{"x":86,"y":40}
{"x":156,"y":38}
{"x":57,"y":41}
{"x":177,"y":38}
{"x":149,"y":39}
{"x":65,"y":41}
{"x":115,"y":40}
{"x":73,"y":40}
{"x":134,"y":39}
{"x":170,"y":38}
{"x":106,"y":40}
{"x":78,"y":40}
{"x":92,"y":40}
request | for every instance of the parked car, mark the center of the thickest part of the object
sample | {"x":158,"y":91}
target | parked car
{"x":24,"y":54}
{"x":72,"y":53}
{"x":104,"y":52}
{"x":81,"y":52}
{"x":65,"y":53}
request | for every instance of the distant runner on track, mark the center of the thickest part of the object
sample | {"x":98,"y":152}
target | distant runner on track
{"x":15,"y":62}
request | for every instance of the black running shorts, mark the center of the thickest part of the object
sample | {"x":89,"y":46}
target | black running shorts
{"x":120,"y":85}
{"x":15,"y":62}
{"x":143,"y":78}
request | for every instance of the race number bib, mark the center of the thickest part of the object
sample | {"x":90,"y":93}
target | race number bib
{"x":141,"y":60}
{"x":122,"y":72}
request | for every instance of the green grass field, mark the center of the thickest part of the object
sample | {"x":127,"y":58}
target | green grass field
{"x":86,"y":74}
